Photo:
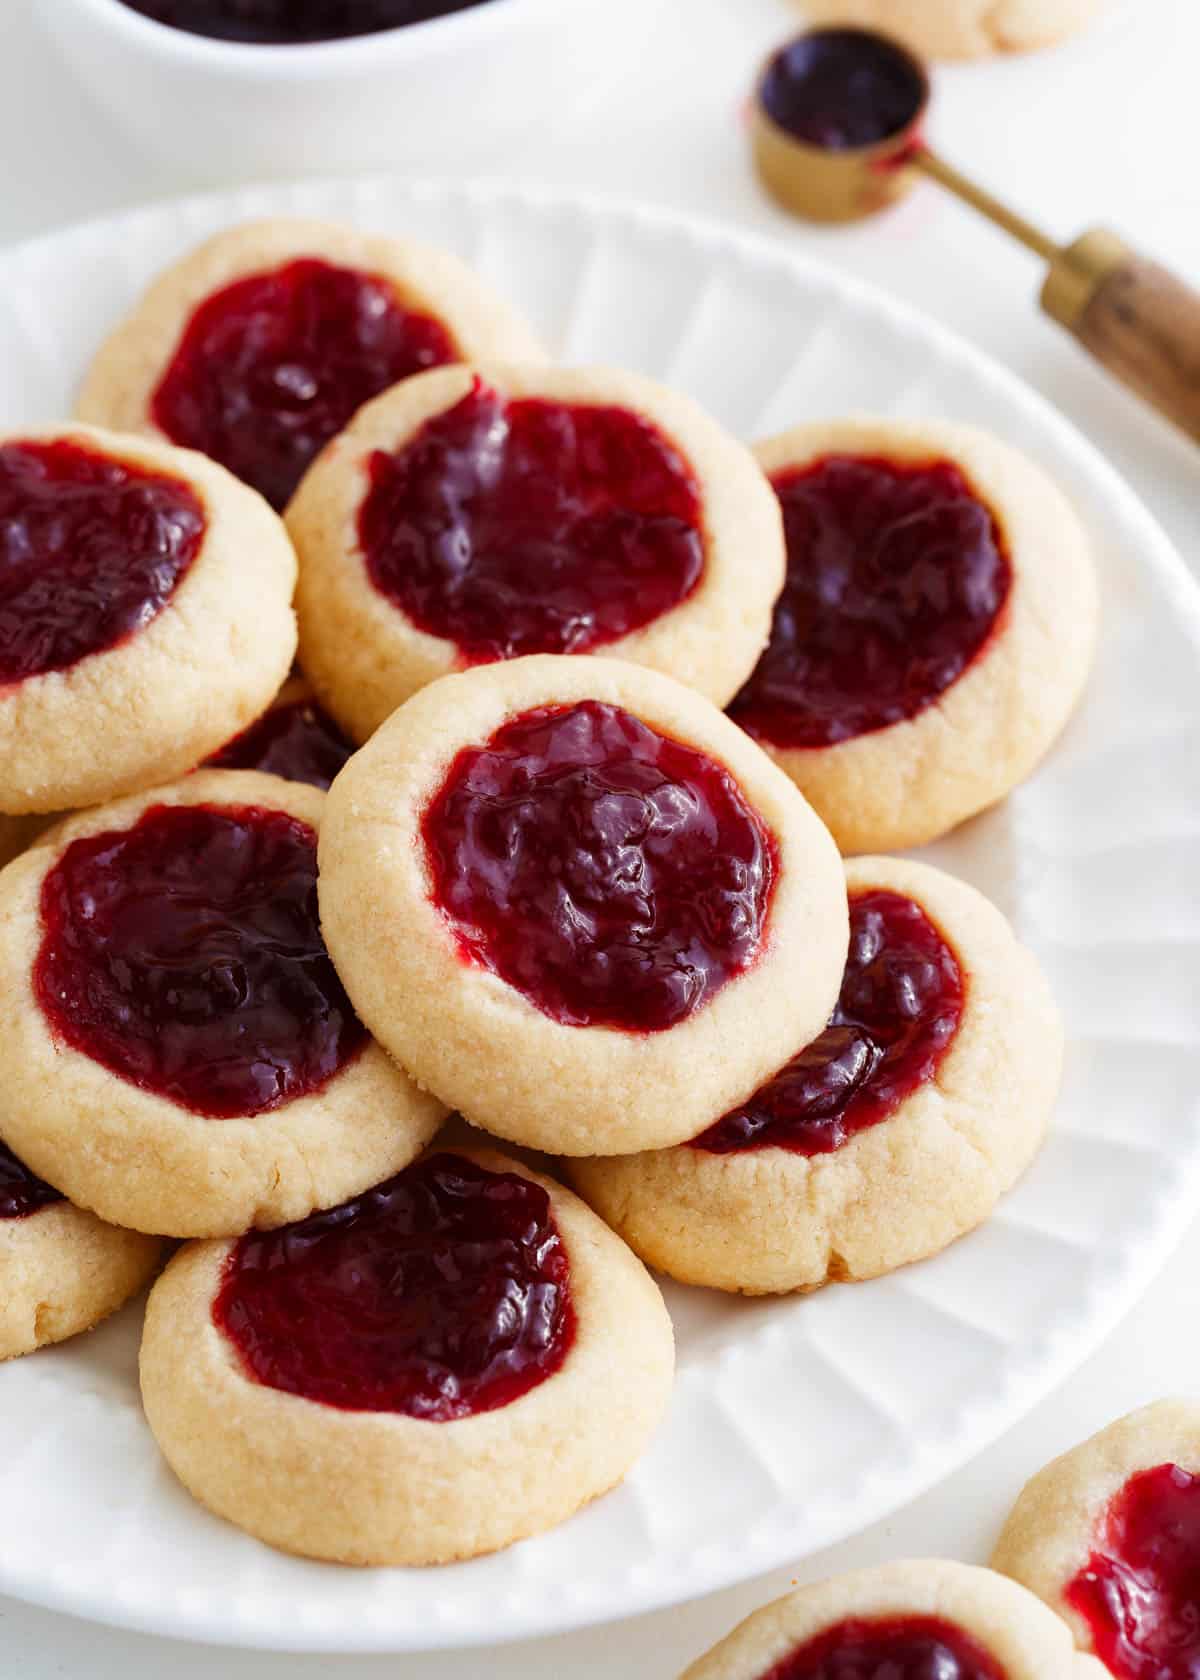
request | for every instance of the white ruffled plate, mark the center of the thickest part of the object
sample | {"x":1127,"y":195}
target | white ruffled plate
{"x":795,"y":1422}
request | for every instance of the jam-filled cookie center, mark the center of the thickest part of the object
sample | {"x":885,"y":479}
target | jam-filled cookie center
{"x":293,"y":22}
{"x":22,"y":1192}
{"x":896,"y":1648}
{"x":272,"y":366}
{"x":528,"y":526}
{"x":613,"y":876}
{"x":91,"y":550}
{"x":897,"y":575}
{"x":899,"y":1008}
{"x":184,"y":954}
{"x":441,"y":1293}
{"x":1139,"y":1592}
{"x":298,"y":741}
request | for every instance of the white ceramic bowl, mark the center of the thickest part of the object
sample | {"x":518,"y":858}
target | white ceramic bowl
{"x":216,"y":108}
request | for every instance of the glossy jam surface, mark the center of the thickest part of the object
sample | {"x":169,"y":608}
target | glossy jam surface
{"x":21,"y":1192}
{"x":269,"y":368}
{"x":1140,"y":1590}
{"x":443,"y":1292}
{"x":91,"y":550}
{"x":293,"y":22}
{"x":297,"y":740}
{"x":842,"y":88}
{"x":899,"y":1008}
{"x":613,"y":876}
{"x":526,"y":526}
{"x":184,"y":954}
{"x":897,"y":575}
{"x":899,"y":1648}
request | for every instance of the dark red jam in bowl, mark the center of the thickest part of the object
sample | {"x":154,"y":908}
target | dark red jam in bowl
{"x":897,"y":1648}
{"x":269,"y":368}
{"x":293,"y":22}
{"x":900,"y":1006}
{"x":444,"y":1292}
{"x":897,"y":576}
{"x":184,"y":954}
{"x":91,"y":550}
{"x":841,"y":89}
{"x":613,"y":876}
{"x":1139,"y":1592}
{"x":528,"y":526}
{"x":21,"y":1192}
{"x":298,"y":741}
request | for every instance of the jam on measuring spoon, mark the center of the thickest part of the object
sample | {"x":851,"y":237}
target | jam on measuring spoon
{"x":842,"y":89}
{"x":611,"y":875}
{"x":293,"y":22}
{"x":1139,"y":1592}
{"x":91,"y":550}
{"x":442,"y":1293}
{"x":897,"y":576}
{"x":269,"y":368}
{"x":894,"y":1648}
{"x":298,"y":741}
{"x":900,"y":1006}
{"x":529,"y":526}
{"x":185,"y":955}
{"x":21,"y":1191}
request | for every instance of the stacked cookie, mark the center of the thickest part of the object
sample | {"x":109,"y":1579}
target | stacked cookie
{"x":600,"y":696}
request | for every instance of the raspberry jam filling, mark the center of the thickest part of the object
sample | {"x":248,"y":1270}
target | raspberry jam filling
{"x":1139,"y":1592}
{"x":184,"y":954}
{"x":895,"y":1648}
{"x":91,"y":550}
{"x":293,"y":22}
{"x":897,"y":576}
{"x":444,"y":1292}
{"x":269,"y":368}
{"x":842,"y":88}
{"x":528,"y":526}
{"x":614,"y":877}
{"x":21,"y":1192}
{"x":297,"y":741}
{"x":900,"y":1006}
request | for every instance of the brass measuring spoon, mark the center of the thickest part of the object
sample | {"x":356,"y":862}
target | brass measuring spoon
{"x":836,"y":127}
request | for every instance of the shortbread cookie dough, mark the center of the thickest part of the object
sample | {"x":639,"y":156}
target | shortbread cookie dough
{"x":62,"y":1270}
{"x":294,"y":738}
{"x":890,"y":1135}
{"x":260,"y":345}
{"x":1109,"y":1536}
{"x":962,"y":28}
{"x":178,"y":1052}
{"x":461,"y":1357}
{"x":472,"y":515}
{"x":935,"y":631}
{"x":901,"y":1621}
{"x":576,"y":902}
{"x":145,"y":614}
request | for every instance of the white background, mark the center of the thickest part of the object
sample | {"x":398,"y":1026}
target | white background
{"x":1104,"y":129}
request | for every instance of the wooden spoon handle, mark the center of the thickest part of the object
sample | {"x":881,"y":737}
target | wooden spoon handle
{"x":1136,"y":317}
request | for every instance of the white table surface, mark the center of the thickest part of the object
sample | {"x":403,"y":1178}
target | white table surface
{"x":1103,"y":129}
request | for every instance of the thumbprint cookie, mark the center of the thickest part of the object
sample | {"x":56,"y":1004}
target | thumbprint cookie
{"x":145,"y":614}
{"x":881,"y":1140}
{"x":181,"y":1057}
{"x":456,"y":1359}
{"x":935,"y":630}
{"x":1109,"y":1536}
{"x":294,"y":738}
{"x":259,"y":346}
{"x":62,"y":1270}
{"x":469,"y":516}
{"x":572,"y":899}
{"x":919,"y":1620}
